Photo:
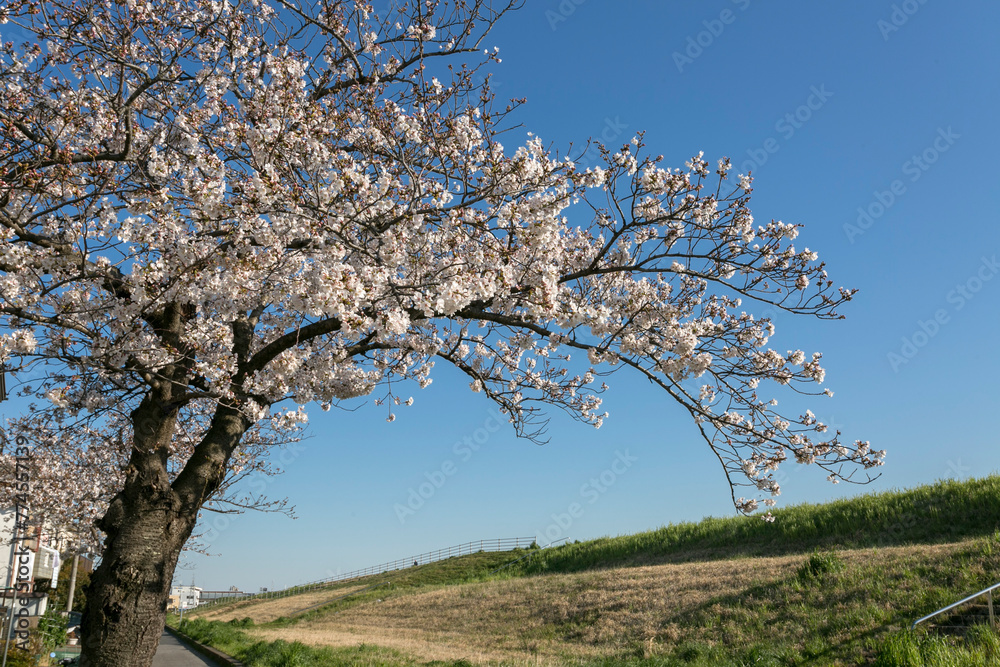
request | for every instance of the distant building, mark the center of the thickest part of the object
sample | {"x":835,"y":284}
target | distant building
{"x":188,"y":597}
{"x":47,"y":562}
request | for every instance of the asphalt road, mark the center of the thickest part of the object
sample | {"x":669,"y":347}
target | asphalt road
{"x":172,"y":653}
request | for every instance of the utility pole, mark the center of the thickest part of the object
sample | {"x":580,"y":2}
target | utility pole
{"x":72,"y":582}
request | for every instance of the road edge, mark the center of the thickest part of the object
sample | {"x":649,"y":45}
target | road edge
{"x":213,"y":654}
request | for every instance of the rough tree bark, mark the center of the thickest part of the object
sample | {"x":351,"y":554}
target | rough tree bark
{"x":147,"y":525}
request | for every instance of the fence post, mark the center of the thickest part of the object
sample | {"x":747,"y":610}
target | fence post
{"x":993,"y":622}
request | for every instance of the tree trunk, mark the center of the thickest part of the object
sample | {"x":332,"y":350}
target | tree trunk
{"x":146,"y":529}
{"x":146,"y":525}
{"x":128,"y":592}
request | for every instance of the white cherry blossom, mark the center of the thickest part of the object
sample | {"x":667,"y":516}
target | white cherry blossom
{"x":214,"y":215}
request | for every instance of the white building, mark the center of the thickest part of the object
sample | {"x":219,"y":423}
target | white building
{"x":24,"y":569}
{"x":188,"y":597}
{"x":6,"y":546}
{"x":44,"y":543}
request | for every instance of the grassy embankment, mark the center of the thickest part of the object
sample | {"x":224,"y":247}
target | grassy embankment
{"x":825,"y":584}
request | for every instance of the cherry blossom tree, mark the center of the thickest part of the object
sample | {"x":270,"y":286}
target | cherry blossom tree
{"x":216,"y":212}
{"x":78,"y":466}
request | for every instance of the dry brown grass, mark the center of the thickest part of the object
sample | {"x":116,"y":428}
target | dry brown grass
{"x":265,"y":611}
{"x":540,"y":618}
{"x":546,"y":619}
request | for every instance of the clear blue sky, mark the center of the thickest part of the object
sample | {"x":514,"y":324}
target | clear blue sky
{"x":721,"y":77}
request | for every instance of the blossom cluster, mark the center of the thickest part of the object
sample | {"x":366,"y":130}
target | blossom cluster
{"x":193,"y":215}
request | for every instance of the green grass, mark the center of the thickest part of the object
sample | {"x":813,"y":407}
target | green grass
{"x":947,"y":511}
{"x":834,"y":613}
{"x":980,"y":648}
{"x":449,"y":572}
{"x":455,"y":570}
{"x":231,"y":639}
{"x":830,"y":610}
{"x":818,"y":565}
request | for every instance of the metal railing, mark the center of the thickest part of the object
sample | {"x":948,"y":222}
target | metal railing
{"x":304,"y":610}
{"x":496,"y":544}
{"x":389,"y":583}
{"x":986,"y":591}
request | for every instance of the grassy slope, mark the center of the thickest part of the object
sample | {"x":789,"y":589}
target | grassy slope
{"x":801,"y":609}
{"x":825,"y":608}
{"x":945,"y":512}
{"x":461,"y":569}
